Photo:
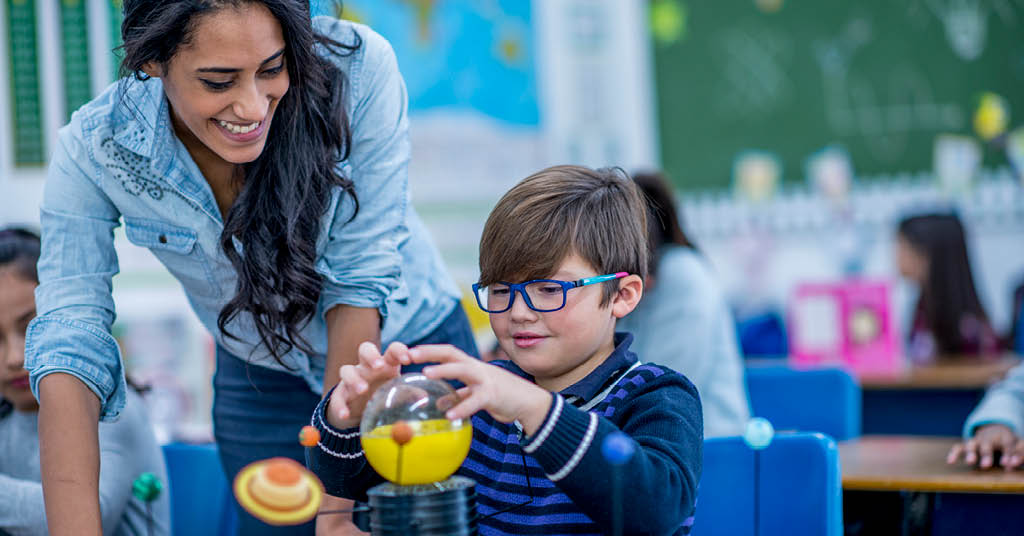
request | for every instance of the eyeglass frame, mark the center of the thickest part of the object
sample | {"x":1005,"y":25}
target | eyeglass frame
{"x":521,"y":289}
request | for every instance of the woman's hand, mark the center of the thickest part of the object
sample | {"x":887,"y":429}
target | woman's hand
{"x":988,"y":440}
{"x":360,"y":381}
{"x":504,"y":395}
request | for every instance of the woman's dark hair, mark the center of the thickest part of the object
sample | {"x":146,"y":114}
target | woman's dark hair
{"x":948,"y":295}
{"x":663,"y":216}
{"x":285,"y":192}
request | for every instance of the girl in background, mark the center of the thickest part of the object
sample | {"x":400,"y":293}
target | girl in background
{"x":127,"y":447}
{"x":931,"y":252}
{"x":683,"y":321}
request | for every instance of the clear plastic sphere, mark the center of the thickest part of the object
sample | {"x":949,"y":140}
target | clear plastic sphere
{"x":405,"y":435}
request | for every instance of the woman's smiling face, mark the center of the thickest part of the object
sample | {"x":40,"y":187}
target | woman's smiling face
{"x":225,"y":83}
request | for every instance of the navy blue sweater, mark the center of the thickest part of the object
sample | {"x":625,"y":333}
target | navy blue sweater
{"x":572,"y":482}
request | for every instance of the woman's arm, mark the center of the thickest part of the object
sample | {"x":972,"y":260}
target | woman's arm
{"x":73,"y":361}
{"x":69,"y":455}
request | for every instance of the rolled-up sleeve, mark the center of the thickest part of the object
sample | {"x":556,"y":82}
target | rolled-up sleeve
{"x":74,"y":306}
{"x":361,"y":263}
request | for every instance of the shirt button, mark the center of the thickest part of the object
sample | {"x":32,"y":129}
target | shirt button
{"x":162,"y":239}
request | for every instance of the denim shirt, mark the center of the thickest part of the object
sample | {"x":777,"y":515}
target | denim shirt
{"x":119,"y":160}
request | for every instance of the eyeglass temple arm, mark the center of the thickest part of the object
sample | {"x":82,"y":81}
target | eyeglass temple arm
{"x":599,"y":278}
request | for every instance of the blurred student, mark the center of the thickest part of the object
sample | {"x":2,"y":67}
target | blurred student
{"x":127,"y":447}
{"x":683,"y":321}
{"x":948,"y":318}
{"x":994,"y":430}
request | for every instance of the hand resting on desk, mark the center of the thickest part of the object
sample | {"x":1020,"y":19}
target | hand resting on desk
{"x":988,"y":441}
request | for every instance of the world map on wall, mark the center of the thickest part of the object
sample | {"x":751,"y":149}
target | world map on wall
{"x":458,"y":55}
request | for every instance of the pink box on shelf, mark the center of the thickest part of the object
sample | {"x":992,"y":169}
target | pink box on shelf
{"x":848,"y":324}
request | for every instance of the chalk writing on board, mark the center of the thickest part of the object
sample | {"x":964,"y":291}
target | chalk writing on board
{"x":883,"y":110}
{"x":754,"y":79}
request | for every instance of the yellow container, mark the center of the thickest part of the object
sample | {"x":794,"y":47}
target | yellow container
{"x":437,"y":449}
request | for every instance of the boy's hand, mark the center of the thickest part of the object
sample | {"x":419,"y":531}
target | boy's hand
{"x":987,"y":441}
{"x":360,"y":381}
{"x":504,"y":395}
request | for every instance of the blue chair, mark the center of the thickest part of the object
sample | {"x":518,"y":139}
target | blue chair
{"x":817,"y":400}
{"x":798,"y":487}
{"x":201,"y":500}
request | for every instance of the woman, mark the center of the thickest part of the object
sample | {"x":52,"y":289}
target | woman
{"x":127,"y":447}
{"x":931,"y":252}
{"x":683,"y":321}
{"x":262,"y":158}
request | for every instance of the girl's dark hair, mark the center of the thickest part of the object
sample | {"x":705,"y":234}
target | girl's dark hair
{"x":19,"y":249}
{"x":662,"y":216}
{"x":948,"y":294}
{"x":277,"y":213}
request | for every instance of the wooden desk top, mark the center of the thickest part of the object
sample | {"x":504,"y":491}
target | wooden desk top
{"x":915,"y":463}
{"x":948,"y":374}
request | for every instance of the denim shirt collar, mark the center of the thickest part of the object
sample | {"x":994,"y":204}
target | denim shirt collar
{"x":142,"y":117}
{"x":143,"y":126}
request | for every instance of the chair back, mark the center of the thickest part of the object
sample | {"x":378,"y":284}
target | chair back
{"x":826,"y":400}
{"x":201,"y":500}
{"x":791,"y":487}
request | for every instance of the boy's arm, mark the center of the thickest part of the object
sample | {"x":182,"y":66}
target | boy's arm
{"x":338,"y":460}
{"x":659,"y":482}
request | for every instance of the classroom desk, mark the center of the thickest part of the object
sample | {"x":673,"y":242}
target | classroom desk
{"x":904,"y":481}
{"x":928,"y":400}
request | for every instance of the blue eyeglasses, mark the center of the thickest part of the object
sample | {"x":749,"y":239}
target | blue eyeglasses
{"x":541,"y":295}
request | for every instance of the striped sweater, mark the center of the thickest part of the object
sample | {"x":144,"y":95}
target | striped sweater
{"x":572,"y":482}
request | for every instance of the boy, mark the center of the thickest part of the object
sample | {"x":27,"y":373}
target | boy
{"x":570,"y":381}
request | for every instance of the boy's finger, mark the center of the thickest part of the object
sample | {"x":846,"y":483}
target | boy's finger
{"x":436,"y":353}
{"x":466,"y":408}
{"x":337,"y":403}
{"x":451,"y":371}
{"x":397,"y":354}
{"x":353,"y":381}
{"x":369,"y":355}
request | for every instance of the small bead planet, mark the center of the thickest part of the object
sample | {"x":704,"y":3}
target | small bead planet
{"x":759,"y":433}
{"x":401,"y":432}
{"x":617,"y":448}
{"x":309,"y":436}
{"x":147,"y":487}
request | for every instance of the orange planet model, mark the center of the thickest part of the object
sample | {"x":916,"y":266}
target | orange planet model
{"x":309,"y":436}
{"x":279,"y":491}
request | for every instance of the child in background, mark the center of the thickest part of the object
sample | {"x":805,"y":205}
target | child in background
{"x":683,"y":321}
{"x":127,"y":447}
{"x":994,"y":430}
{"x":561,"y":259}
{"x":948,"y":319}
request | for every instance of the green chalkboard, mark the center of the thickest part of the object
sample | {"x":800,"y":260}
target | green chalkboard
{"x":27,"y":113}
{"x":881,"y":78}
{"x":74,"y":29}
{"x":115,"y":9}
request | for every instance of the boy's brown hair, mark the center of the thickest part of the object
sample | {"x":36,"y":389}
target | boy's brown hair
{"x":596,"y":214}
